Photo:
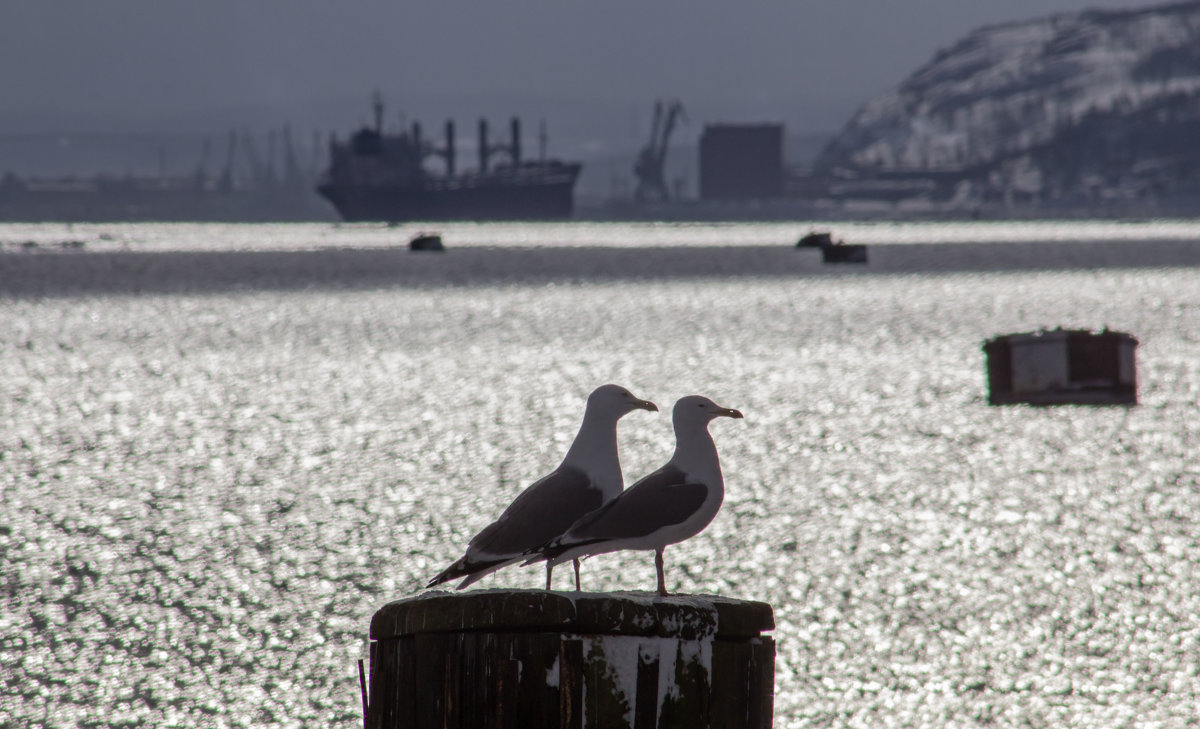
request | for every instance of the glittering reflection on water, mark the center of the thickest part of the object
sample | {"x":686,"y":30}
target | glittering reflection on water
{"x":306,"y":236}
{"x":205,"y":498}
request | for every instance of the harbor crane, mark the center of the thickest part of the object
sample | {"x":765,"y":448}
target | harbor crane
{"x":651,"y":183}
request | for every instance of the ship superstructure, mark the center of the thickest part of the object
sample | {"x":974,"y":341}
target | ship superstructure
{"x":380,"y":176}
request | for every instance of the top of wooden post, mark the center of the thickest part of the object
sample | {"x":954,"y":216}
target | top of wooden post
{"x":688,"y":617}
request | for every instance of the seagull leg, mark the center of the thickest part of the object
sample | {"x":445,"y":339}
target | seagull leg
{"x":576,"y":575}
{"x":662,"y":579}
{"x":549,"y":569}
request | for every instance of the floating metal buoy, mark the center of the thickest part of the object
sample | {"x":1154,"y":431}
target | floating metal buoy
{"x":831,"y":251}
{"x":815,"y":240}
{"x":1062,"y":367}
{"x":426,"y":242}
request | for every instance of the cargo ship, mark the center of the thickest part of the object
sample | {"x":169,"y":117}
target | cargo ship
{"x":376,"y":176}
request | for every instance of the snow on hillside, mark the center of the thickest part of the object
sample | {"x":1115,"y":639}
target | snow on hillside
{"x":1050,"y":105}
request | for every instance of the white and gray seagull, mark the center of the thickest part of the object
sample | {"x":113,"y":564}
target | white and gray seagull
{"x":589,"y":476}
{"x":674,"y":503}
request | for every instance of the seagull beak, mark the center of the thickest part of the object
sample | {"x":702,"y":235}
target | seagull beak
{"x":645,"y":405}
{"x":730,"y":413}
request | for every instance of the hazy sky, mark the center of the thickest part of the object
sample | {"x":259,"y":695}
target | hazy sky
{"x":810,"y":63}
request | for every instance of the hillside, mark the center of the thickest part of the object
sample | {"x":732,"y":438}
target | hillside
{"x":1080,"y":107}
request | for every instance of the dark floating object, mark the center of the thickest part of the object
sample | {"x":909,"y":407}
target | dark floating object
{"x":426,"y":242}
{"x":537,"y":658}
{"x":815,"y":240}
{"x":831,"y":251}
{"x":1062,"y":367}
{"x":842,"y":253}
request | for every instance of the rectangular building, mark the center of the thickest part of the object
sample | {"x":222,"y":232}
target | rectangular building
{"x":741,"y":161}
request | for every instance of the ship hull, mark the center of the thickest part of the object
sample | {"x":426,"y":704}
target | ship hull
{"x":542,"y":201}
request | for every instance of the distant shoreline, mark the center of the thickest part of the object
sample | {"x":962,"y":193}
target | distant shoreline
{"x":79,"y":272}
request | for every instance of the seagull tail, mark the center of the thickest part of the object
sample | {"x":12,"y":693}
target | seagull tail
{"x":472,"y":571}
{"x":551,"y":553}
{"x":452,"y":572}
{"x":479,"y":575}
{"x":543,"y":552}
{"x":534,"y":556}
{"x":558,"y":552}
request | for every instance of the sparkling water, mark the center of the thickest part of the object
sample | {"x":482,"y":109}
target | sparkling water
{"x":208,"y":490}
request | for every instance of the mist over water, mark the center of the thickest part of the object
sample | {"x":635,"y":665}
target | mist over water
{"x":207,"y":490}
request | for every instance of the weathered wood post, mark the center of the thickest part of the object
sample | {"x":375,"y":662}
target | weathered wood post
{"x":535,"y":659}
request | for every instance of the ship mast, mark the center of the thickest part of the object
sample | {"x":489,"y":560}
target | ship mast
{"x":377,"y":107}
{"x":226,"y":183}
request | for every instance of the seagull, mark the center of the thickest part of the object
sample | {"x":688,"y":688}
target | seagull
{"x":670,"y":505}
{"x":589,"y":476}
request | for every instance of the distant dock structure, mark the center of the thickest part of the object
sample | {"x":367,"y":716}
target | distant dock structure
{"x":536,"y":658}
{"x":741,"y":162}
{"x":1062,"y":367}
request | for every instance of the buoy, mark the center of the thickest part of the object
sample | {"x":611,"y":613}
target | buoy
{"x":1062,"y":366}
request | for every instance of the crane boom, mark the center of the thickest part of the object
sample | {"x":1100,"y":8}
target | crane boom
{"x":651,"y":162}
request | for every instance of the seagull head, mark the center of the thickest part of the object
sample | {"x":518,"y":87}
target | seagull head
{"x":617,"y":401}
{"x":699,"y":409}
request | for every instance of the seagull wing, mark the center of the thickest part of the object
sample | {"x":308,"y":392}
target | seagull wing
{"x":661,"y":499}
{"x":542,"y":512}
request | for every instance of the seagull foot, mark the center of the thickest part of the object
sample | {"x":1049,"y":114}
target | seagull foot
{"x":658,"y":567}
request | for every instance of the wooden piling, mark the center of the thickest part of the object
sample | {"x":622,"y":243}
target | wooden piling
{"x":533,"y":658}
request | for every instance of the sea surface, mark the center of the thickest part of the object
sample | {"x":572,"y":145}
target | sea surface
{"x":223,"y":447}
